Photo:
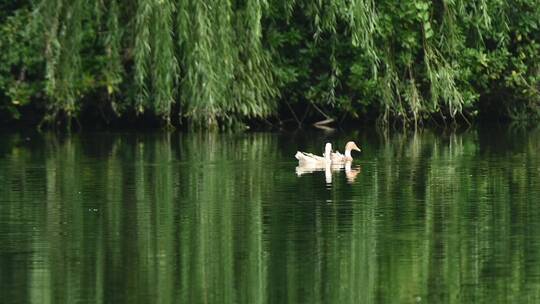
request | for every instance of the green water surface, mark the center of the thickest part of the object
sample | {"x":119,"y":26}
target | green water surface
{"x":431,"y":217}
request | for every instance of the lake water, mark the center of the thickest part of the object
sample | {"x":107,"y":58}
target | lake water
{"x":431,"y":217}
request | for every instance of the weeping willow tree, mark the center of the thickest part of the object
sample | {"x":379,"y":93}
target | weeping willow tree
{"x":205,"y":58}
{"x":413,"y":60}
{"x":221,"y":62}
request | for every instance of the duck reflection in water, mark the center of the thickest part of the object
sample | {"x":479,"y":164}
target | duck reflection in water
{"x":350,"y":172}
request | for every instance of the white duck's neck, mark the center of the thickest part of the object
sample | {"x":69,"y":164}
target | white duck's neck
{"x":328,"y":152}
{"x":327,"y":157}
{"x":348,"y":153}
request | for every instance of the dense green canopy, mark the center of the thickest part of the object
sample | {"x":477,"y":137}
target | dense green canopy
{"x":219,"y":62}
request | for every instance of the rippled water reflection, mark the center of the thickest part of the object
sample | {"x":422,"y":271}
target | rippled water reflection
{"x":214,"y":218}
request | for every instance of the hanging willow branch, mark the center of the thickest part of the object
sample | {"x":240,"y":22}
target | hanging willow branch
{"x":63,"y":39}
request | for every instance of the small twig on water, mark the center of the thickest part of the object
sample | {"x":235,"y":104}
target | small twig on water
{"x":324,"y":122}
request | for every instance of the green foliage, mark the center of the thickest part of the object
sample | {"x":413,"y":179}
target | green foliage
{"x":221,"y":62}
{"x":413,"y":59}
{"x":20,"y":68}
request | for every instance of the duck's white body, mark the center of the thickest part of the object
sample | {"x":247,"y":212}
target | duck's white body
{"x":309,"y":159}
{"x":329,"y":158}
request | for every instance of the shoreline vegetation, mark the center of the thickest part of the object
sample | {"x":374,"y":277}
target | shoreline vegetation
{"x":229,"y":64}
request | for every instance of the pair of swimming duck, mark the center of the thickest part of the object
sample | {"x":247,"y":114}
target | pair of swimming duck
{"x":329,"y":157}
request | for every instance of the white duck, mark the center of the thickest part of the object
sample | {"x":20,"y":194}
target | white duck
{"x":338,"y":158}
{"x":312,"y":160}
